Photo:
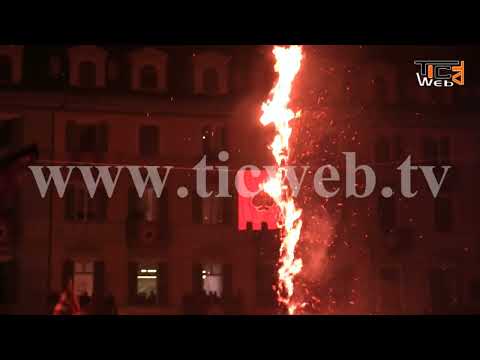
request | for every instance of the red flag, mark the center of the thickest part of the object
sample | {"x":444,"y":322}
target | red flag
{"x":256,"y":209}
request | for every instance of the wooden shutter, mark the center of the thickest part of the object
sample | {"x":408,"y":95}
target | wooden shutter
{"x":69,"y":204}
{"x":228,"y":210}
{"x":67,"y":272}
{"x":163,"y":216}
{"x":101,"y":204}
{"x":227,"y":281}
{"x":132,"y":282}
{"x":99,"y":279}
{"x":162,"y":284}
{"x":197,"y":281}
{"x":11,"y":281}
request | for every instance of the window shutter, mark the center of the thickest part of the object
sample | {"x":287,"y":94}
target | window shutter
{"x":18,"y":131}
{"x":227,"y":281}
{"x":102,"y":138}
{"x":162,"y":283}
{"x":12,"y":280}
{"x":196,"y":208}
{"x":67,"y":273}
{"x":70,"y":203}
{"x":163,"y":215}
{"x":197,"y":281}
{"x":99,"y":279}
{"x":101,"y":204}
{"x":70,"y":144}
{"x":228,"y":210}
{"x":132,"y":203}
{"x":132,"y":282}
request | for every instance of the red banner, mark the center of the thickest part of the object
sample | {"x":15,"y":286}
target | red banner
{"x":258,"y":207}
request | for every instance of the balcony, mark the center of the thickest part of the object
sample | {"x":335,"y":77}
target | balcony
{"x":144,"y":236}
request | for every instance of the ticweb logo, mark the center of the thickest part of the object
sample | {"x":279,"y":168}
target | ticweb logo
{"x":440,"y":73}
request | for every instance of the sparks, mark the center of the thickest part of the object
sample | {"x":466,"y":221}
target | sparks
{"x":275,"y":110}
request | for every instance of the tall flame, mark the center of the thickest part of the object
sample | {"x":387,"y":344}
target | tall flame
{"x":275,"y":110}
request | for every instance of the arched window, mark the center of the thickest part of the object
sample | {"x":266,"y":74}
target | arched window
{"x":148,"y":77}
{"x":211,"y":84}
{"x":87,"y":74}
{"x":5,"y":69}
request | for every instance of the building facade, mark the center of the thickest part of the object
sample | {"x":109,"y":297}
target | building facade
{"x":170,"y":106}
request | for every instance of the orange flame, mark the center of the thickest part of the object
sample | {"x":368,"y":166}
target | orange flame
{"x":276,"y":111}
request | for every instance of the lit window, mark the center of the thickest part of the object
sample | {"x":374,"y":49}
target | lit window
{"x":83,"y":278}
{"x":147,"y":285}
{"x":212,"y":279}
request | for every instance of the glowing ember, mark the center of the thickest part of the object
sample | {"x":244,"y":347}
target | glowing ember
{"x":276,"y":111}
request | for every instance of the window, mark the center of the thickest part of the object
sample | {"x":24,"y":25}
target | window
{"x":436,"y":150}
{"x":442,"y":290}
{"x":213,"y":140}
{"x":112,"y":71}
{"x":211,"y":73}
{"x":149,"y":283}
{"x":212,"y":279}
{"x":212,"y":210}
{"x":148,"y":78}
{"x":443,"y":214}
{"x":382,"y":150}
{"x":87,"y":74}
{"x":386,"y":213}
{"x":144,"y":208}
{"x":80,"y":207}
{"x":5,"y":70}
{"x":55,"y":67}
{"x":390,"y":290}
{"x":83,"y":278}
{"x":148,"y":140}
{"x":210,"y":82}
{"x":6,"y":133}
{"x":86,"y":138}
